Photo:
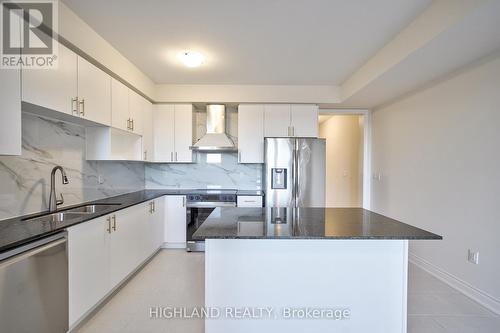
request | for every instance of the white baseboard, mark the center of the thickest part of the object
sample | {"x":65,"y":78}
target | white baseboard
{"x":170,"y":245}
{"x":477,"y":295}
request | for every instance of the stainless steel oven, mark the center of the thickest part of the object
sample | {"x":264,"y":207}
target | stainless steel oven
{"x":200,"y":204}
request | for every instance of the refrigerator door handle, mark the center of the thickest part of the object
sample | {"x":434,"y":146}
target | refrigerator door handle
{"x":296,"y":173}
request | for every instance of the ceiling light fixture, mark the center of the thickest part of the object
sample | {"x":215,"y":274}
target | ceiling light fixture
{"x":191,"y":59}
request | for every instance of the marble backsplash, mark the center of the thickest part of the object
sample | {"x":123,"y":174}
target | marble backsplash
{"x":210,"y":170}
{"x":25,"y":179}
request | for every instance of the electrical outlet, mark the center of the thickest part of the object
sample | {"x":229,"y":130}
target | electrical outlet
{"x":100,"y":179}
{"x":473,"y":257}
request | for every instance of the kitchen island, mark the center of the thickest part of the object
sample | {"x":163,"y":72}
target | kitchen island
{"x":306,"y":269}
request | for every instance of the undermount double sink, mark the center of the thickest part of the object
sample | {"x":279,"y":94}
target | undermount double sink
{"x":72,"y":213}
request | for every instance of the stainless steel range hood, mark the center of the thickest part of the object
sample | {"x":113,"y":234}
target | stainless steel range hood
{"x":216,"y":138}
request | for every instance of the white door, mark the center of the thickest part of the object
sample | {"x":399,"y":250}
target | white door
{"x":163,"y":132}
{"x":251,"y":133}
{"x":305,"y":120}
{"x":175,"y":221}
{"x":135,"y":106}
{"x":147,"y":132}
{"x":94,"y":93}
{"x":183,"y":133}
{"x":277,"y":120}
{"x":88,"y":261}
{"x":120,"y":116}
{"x":56,"y":88}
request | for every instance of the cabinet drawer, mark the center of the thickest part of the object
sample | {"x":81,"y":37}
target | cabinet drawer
{"x":249,"y":201}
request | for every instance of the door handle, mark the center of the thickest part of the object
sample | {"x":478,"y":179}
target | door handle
{"x":176,"y":156}
{"x":108,"y":229}
{"x":114,"y":222}
{"x":74,"y":106}
{"x":239,"y":157}
{"x":82,"y":109}
{"x":132,"y":125}
{"x":154,"y":206}
{"x":128,"y":123}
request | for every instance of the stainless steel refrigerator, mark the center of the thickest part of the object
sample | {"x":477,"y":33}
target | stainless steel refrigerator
{"x":294,"y":172}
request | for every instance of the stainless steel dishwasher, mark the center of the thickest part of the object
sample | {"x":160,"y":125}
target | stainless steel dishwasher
{"x":34,"y":287}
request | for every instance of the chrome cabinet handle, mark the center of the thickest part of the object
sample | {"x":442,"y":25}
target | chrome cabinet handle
{"x":293,"y":130}
{"x":176,"y":156}
{"x":74,"y":106}
{"x":82,"y":109}
{"x":171,"y":156}
{"x":145,"y":155}
{"x":289,"y":131}
{"x":114,"y":222}
{"x":108,"y":229}
{"x":239,"y":157}
{"x":183,"y":201}
{"x":128,"y":123}
{"x":154,"y":206}
{"x":132,"y":122}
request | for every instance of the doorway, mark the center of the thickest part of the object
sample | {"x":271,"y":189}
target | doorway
{"x":346,"y":152}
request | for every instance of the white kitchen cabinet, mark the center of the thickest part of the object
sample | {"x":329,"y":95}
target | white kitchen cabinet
{"x":10,"y":108}
{"x":54,"y":88}
{"x":173,"y":132}
{"x":120,"y":115}
{"x":88,"y":266}
{"x":304,"y":120}
{"x":94,"y":93}
{"x":295,"y":120}
{"x":147,"y":134}
{"x":276,"y":120}
{"x":250,"y":133}
{"x":104,"y":251}
{"x":125,"y":250}
{"x":183,"y":133}
{"x":175,"y":221}
{"x":111,"y":144}
{"x":136,"y":105}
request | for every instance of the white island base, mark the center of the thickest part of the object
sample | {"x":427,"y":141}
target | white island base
{"x":362,"y":281}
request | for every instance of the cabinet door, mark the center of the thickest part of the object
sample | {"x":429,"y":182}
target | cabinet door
{"x":94,"y":93}
{"x":88,"y":261}
{"x":175,"y":221}
{"x":183,"y":133}
{"x":158,"y":225}
{"x":120,"y":115}
{"x":147,"y":133}
{"x":163,"y":132}
{"x":277,"y":120}
{"x":123,"y":246}
{"x":55,"y":88}
{"x":251,"y":134}
{"x":305,"y":120}
{"x":135,"y":106}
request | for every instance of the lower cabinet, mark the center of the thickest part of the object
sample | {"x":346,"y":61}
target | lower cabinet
{"x":175,"y":221}
{"x":104,"y":251}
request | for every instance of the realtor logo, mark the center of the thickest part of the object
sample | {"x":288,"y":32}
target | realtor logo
{"x":29,"y":34}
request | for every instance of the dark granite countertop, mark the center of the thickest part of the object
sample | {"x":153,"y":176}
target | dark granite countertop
{"x":305,"y":223}
{"x":18,"y":231}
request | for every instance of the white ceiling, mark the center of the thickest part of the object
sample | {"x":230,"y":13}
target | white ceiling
{"x":265,"y":42}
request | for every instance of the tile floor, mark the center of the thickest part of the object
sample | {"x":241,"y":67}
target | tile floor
{"x":176,"y":277}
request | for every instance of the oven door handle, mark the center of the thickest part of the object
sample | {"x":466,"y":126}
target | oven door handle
{"x":210,"y":204}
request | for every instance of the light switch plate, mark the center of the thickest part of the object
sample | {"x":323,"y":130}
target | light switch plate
{"x":473,"y":257}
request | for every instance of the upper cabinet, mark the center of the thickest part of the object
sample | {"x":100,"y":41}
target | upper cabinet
{"x":173,"y":133}
{"x":126,"y":108}
{"x":75,"y":87}
{"x":56,"y":88}
{"x":94,"y":93}
{"x":250,"y":133}
{"x":285,"y":120}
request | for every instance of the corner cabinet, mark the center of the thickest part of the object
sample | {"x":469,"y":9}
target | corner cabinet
{"x":173,"y":133}
{"x":291,"y":120}
{"x":250,"y":133}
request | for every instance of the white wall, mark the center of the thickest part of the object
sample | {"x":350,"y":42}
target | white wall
{"x":439,"y":159}
{"x":79,"y":33}
{"x":344,"y":151}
